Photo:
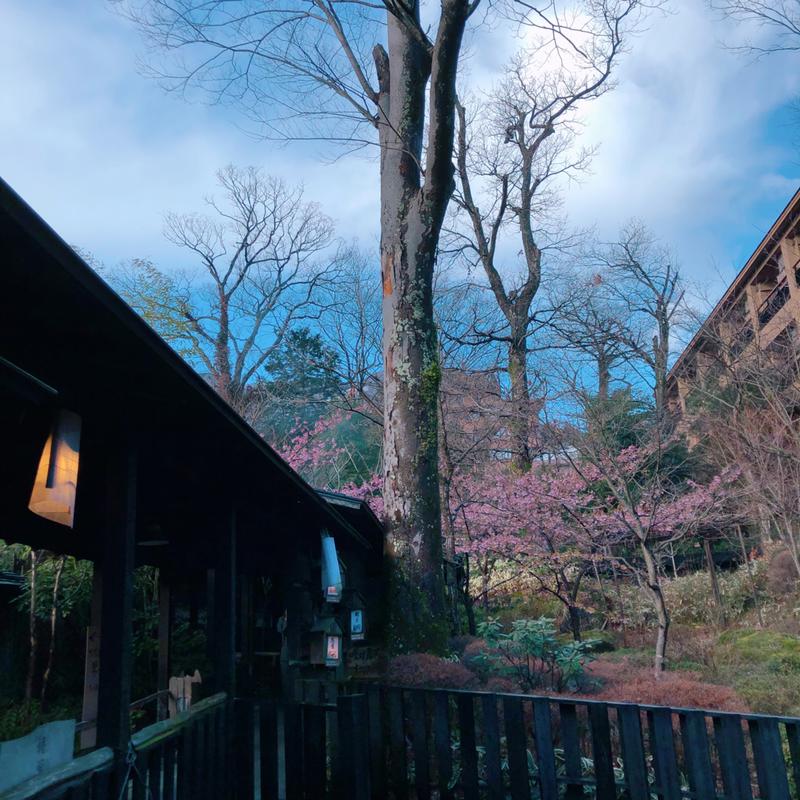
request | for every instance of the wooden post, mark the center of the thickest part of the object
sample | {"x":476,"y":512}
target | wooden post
{"x":246,"y":624}
{"x":164,"y":642}
{"x":91,"y":675}
{"x":114,"y":690}
{"x":224,"y":613}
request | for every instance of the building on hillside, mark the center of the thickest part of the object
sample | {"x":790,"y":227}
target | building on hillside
{"x":760,"y":308}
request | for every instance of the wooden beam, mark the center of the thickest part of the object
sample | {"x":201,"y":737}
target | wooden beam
{"x":164,"y":641}
{"x":224,"y":614}
{"x":119,"y":539}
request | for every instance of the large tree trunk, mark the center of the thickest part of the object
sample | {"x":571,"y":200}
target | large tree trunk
{"x":411,"y":219}
{"x":660,"y":607}
{"x":520,"y":425}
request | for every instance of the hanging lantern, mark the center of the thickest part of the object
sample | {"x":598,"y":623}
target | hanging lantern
{"x":53,"y":495}
{"x":326,"y":643}
{"x":331,"y":572}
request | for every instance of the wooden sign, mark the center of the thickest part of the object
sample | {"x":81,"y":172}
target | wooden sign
{"x":91,"y":684}
{"x":47,"y":747}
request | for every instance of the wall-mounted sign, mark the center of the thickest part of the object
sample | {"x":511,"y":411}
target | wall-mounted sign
{"x":331,"y":573}
{"x":357,"y":632}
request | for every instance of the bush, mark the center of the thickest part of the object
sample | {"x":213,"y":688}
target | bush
{"x":424,"y":671}
{"x":781,"y":574}
{"x":532,"y":654}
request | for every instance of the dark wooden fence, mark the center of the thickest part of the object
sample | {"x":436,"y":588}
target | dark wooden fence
{"x":185,"y":758}
{"x":443,"y":745}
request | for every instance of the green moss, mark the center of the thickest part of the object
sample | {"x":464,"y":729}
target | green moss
{"x":775,"y":652}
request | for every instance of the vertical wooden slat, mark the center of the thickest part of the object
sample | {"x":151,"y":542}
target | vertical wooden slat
{"x":601,"y":750}
{"x":397,"y":744}
{"x":768,"y":754}
{"x":222,"y":775}
{"x":419,"y":744}
{"x":199,"y":765}
{"x":154,"y":768}
{"x":516,"y":741}
{"x":170,"y":753}
{"x":793,"y":739}
{"x":545,"y":757}
{"x":268,"y":748}
{"x":662,"y":743}
{"x":139,"y":776}
{"x":570,"y":743}
{"x":245,"y":748}
{"x":732,"y":757}
{"x":377,"y":755}
{"x":293,"y":751}
{"x":491,"y":744}
{"x":314,"y":766}
{"x":441,"y":737}
{"x":353,"y":747}
{"x":101,"y":785}
{"x":633,"y":758}
{"x":469,"y":755}
{"x":186,"y":768}
{"x":697,"y":754}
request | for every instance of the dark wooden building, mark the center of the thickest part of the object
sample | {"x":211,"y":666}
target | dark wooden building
{"x":167,"y":475}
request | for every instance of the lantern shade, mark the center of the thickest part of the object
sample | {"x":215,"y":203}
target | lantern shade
{"x":331,"y":572}
{"x":54,"y":489}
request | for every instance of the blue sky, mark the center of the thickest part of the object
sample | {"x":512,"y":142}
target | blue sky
{"x":698,"y":142}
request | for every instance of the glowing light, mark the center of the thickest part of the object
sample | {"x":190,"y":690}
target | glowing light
{"x":332,"y":651}
{"x":53,"y":495}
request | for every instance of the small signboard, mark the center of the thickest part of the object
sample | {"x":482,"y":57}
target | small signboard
{"x":49,"y":746}
{"x":357,"y":625}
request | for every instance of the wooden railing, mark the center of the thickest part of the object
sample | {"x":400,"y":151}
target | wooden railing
{"x":185,"y":758}
{"x":443,"y":745}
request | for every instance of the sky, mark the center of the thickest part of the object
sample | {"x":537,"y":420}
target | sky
{"x":700,"y":143}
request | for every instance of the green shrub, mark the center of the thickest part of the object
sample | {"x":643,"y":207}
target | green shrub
{"x":532,"y":654}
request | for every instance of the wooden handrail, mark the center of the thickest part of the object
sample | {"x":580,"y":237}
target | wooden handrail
{"x":144,"y":739}
{"x":93,"y":762}
{"x":158,"y":731}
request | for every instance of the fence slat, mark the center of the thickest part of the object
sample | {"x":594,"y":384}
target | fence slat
{"x":793,"y":738}
{"x":441,"y":738}
{"x":633,"y":759}
{"x":516,"y":743}
{"x":491,"y":743}
{"x":768,"y":755}
{"x":186,"y":770}
{"x":397,"y":744}
{"x":469,"y":755}
{"x":314,"y":765}
{"x":697,"y":754}
{"x":419,"y":744}
{"x":244,"y":711}
{"x":154,"y":768}
{"x":662,"y":744}
{"x":545,"y":756}
{"x":353,"y":747}
{"x":377,"y":755}
{"x":570,"y":743}
{"x":601,"y":751}
{"x":732,"y":757}
{"x":268,"y":748}
{"x":293,"y":751}
{"x":170,"y":754}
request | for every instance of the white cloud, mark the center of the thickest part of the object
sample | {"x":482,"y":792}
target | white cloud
{"x":102,"y":153}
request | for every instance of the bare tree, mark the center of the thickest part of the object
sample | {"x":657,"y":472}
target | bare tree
{"x":780,"y":18}
{"x":265,"y":261}
{"x":526,"y":145}
{"x":644,"y":281}
{"x":366,"y":70}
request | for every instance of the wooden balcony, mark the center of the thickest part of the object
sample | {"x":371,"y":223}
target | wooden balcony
{"x":385,"y":742}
